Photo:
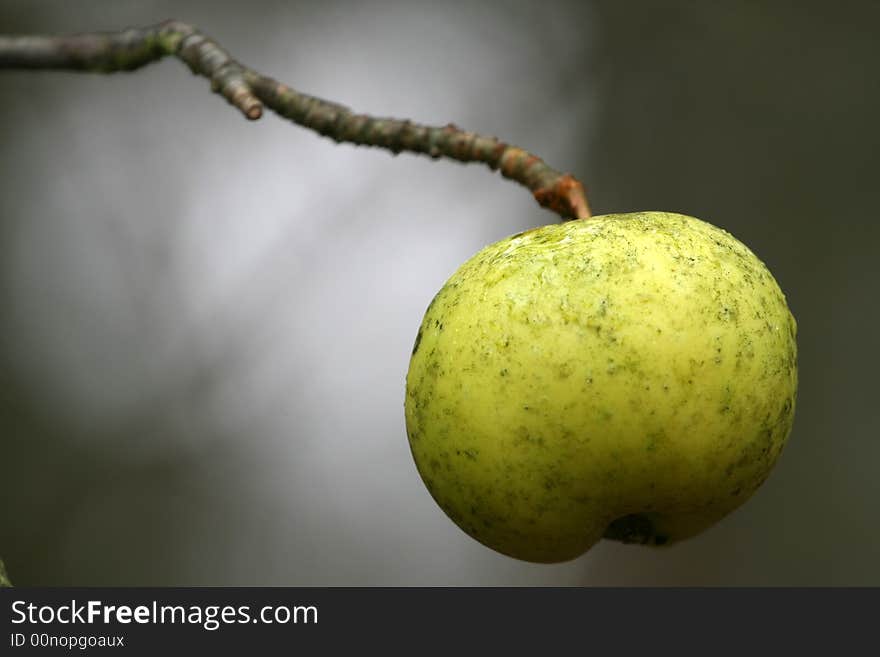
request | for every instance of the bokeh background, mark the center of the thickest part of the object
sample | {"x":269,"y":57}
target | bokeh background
{"x":205,"y":323}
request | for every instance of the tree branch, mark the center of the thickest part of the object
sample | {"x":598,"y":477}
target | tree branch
{"x":250,"y":91}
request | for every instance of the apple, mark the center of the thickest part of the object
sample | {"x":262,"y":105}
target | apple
{"x":629,"y":376}
{"x":4,"y":578}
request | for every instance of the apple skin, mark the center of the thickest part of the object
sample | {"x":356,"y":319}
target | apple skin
{"x":631,"y":376}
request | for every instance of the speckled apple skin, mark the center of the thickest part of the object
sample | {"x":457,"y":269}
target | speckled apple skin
{"x":630,"y":375}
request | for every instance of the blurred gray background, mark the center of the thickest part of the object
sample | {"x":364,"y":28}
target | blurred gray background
{"x":206,"y":323}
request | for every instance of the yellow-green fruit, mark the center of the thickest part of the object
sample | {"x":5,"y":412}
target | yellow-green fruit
{"x":631,"y":376}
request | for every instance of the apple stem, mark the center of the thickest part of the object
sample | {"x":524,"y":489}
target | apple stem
{"x":250,"y":91}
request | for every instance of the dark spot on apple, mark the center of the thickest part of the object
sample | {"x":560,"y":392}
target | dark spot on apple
{"x":417,"y":343}
{"x":634,"y":528}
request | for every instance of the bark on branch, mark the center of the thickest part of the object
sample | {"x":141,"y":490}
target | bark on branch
{"x":250,"y":91}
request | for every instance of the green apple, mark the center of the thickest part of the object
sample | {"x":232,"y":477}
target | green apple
{"x":631,"y":376}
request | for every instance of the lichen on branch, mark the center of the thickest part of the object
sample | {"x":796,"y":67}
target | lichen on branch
{"x":250,"y":91}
